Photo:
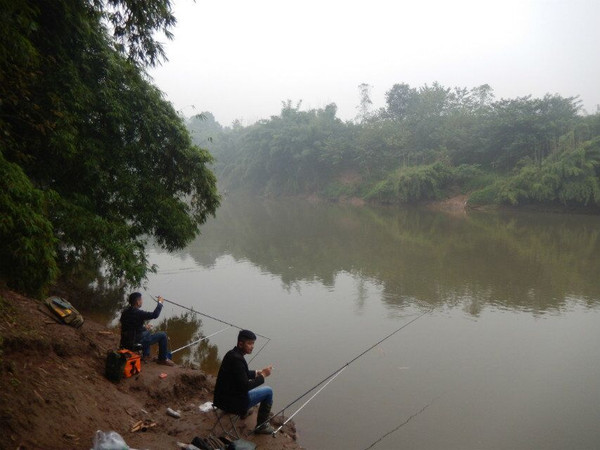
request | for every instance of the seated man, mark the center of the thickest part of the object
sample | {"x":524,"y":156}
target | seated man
{"x":133,"y":330}
{"x":236,"y":389}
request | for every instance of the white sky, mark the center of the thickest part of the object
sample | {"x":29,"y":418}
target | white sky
{"x":239,"y":59}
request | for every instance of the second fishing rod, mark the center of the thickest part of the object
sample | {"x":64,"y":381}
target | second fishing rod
{"x":328,"y":379}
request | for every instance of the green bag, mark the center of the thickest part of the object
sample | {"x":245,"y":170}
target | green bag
{"x":64,"y":311}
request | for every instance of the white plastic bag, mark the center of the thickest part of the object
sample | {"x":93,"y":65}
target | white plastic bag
{"x":206,"y":407}
{"x":111,"y":440}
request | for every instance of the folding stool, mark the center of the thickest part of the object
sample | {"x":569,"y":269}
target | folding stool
{"x":230,"y":429}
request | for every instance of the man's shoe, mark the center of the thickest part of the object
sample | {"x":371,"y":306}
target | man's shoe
{"x":166,"y":362}
{"x":265,"y":428}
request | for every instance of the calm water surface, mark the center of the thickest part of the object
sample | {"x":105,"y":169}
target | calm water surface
{"x":507,"y":359}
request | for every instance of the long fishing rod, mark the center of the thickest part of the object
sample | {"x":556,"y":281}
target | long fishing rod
{"x":307,"y":401}
{"x":337,"y":372}
{"x":218,"y":320}
{"x":207,"y":315}
{"x":201,"y":339}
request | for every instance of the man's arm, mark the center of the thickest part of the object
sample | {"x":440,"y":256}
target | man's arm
{"x":147,"y":315}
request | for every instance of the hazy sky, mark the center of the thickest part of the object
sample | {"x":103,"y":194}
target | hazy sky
{"x":239,"y":59}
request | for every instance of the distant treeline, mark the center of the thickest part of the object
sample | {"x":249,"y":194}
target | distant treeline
{"x":427,"y":143}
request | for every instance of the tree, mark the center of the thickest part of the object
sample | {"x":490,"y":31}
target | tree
{"x":107,"y":157}
{"x":364,"y":91}
{"x":400,"y":99}
{"x":528,"y":127}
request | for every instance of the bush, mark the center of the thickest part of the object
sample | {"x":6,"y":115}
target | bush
{"x":27,"y":242}
{"x":413,"y":184}
{"x":486,"y":196}
{"x":568,"y":178}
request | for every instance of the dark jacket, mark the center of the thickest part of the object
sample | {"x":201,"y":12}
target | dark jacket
{"x":132,"y":324}
{"x":233,"y":383}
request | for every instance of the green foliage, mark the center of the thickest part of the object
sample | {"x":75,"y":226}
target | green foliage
{"x":27,"y":253}
{"x":527,"y":128}
{"x":204,"y":129}
{"x":338,"y":189}
{"x":135,"y":24}
{"x":569,"y":178}
{"x":413,"y":184}
{"x":292,"y":153}
{"x":488,"y":195}
{"x":480,"y":142}
{"x":92,"y":136}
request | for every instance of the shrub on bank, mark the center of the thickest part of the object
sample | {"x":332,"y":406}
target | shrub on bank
{"x":412,"y":184}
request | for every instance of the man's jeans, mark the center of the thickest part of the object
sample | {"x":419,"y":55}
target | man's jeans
{"x":260,"y":394}
{"x":149,"y":339}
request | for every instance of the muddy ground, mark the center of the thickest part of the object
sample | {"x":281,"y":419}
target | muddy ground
{"x":54,"y":394}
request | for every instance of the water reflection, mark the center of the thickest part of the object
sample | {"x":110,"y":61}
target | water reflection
{"x":98,"y":300}
{"x":184,"y":329}
{"x":530,"y":261}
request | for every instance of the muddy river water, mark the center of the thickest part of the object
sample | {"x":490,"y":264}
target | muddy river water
{"x":507,"y":358}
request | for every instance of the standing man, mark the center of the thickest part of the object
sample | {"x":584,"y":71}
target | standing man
{"x":135,"y":331}
{"x":237,"y":389}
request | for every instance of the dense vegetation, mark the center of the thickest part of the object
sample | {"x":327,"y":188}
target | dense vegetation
{"x":92,"y":158}
{"x":427,"y":143}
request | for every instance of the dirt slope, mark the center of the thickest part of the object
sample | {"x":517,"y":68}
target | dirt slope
{"x":54,"y":394}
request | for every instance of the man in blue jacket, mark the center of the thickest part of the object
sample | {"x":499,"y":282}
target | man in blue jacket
{"x":238,"y":388}
{"x":135,"y":331}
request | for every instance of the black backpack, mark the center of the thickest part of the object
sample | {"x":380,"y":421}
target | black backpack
{"x":115,"y":366}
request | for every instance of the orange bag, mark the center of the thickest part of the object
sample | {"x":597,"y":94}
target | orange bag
{"x":133,"y":366}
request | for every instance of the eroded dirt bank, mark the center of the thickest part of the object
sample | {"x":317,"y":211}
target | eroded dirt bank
{"x":54,"y":394}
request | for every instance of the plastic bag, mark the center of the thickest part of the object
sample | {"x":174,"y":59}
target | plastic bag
{"x":111,"y":440}
{"x":206,"y":407}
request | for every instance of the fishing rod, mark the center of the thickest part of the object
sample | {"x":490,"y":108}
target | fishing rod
{"x":328,"y":379}
{"x":201,"y":339}
{"x":218,"y":320}
{"x":307,"y":401}
{"x":206,"y":315}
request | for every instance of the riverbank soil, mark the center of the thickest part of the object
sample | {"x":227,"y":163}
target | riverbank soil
{"x":55,"y":396}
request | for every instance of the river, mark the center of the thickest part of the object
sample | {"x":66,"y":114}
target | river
{"x":507,"y":355}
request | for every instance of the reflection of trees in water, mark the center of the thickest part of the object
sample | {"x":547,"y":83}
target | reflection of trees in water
{"x":187,"y":328}
{"x":205,"y":356}
{"x":91,"y":293}
{"x":517,"y":260}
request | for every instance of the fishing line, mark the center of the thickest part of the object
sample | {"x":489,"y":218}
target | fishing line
{"x":338,"y":371}
{"x":201,"y":339}
{"x":218,"y":320}
{"x":399,"y":426}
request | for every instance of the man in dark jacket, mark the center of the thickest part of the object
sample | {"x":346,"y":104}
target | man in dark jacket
{"x":134,"y":331}
{"x":238,"y":388}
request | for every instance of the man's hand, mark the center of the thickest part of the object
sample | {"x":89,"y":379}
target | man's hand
{"x":160,"y":299}
{"x":266,"y":371}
